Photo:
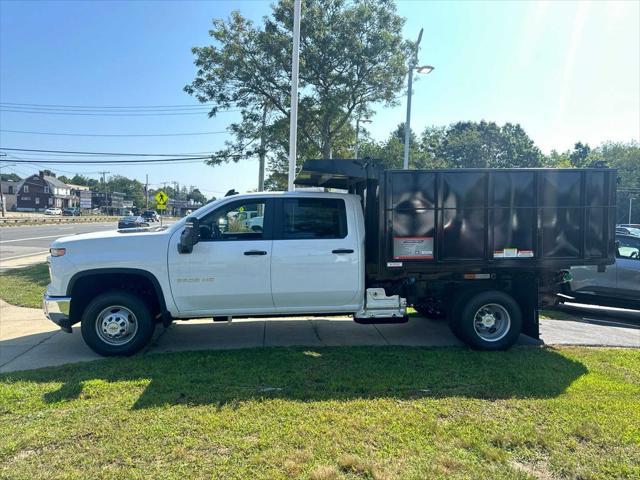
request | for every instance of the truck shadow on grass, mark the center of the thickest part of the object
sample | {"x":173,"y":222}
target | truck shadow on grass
{"x":229,"y":377}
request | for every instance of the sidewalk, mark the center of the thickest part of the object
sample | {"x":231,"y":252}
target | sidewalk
{"x":28,"y":340}
{"x":25,"y":261}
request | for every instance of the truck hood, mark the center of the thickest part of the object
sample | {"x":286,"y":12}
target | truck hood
{"x":111,"y":235}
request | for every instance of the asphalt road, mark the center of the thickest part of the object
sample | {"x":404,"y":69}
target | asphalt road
{"x":21,"y":242}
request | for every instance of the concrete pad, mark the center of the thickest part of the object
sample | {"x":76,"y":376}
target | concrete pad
{"x":51,"y":354}
{"x":419,"y":332}
{"x":568,"y":332}
{"x":8,"y":353}
{"x":207,"y":335}
{"x":344,"y":331}
{"x":283,"y":332}
{"x":26,"y":260}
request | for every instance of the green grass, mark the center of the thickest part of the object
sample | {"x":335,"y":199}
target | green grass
{"x":353,"y":413}
{"x":24,"y":286}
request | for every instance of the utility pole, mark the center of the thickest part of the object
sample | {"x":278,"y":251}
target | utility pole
{"x":104,"y":191}
{"x":630,"y":205}
{"x":146,"y":191}
{"x":293,"y":116}
{"x":262,"y":153}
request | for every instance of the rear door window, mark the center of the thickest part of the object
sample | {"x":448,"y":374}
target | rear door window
{"x":309,"y":218}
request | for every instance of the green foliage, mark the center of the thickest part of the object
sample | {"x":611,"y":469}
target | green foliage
{"x":352,"y":56}
{"x":132,"y":189}
{"x":10,"y":176}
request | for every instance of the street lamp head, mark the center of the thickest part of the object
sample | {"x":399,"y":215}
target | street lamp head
{"x":425,"y":69}
{"x":366,"y":120}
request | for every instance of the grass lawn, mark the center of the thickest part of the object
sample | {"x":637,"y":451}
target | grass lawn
{"x":352,"y":412}
{"x":24,"y":286}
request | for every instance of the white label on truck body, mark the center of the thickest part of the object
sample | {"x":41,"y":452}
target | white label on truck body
{"x":413,"y":248}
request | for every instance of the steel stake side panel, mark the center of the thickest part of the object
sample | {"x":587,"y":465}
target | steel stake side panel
{"x":462,"y":219}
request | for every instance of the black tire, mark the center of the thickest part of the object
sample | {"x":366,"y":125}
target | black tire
{"x":499,"y":307}
{"x":125,"y":307}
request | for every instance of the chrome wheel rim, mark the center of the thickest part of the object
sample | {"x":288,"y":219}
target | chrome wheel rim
{"x":492,"y":322}
{"x":116,"y":325}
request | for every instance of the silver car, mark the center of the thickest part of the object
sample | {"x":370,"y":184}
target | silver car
{"x":618,"y":286}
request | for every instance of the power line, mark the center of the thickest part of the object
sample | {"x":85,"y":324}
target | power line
{"x":102,"y":106}
{"x":112,"y":154}
{"x":107,"y":110}
{"x":61,"y":134}
{"x":110,"y":162}
{"x":111,"y":114}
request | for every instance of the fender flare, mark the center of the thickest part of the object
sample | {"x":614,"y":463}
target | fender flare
{"x":132,"y":271}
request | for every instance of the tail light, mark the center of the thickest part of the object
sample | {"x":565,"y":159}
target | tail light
{"x":57,"y":252}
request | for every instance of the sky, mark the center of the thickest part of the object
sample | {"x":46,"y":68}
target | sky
{"x":566,"y":71}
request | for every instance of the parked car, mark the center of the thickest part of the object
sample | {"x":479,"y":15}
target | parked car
{"x":150,"y":216}
{"x":53,"y":211}
{"x":132,"y":222}
{"x":71,"y":212}
{"x":628,"y":230}
{"x":617,"y":286}
{"x":405,"y":238}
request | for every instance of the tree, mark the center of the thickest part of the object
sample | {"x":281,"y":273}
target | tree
{"x":625,"y":157}
{"x":197,"y":196}
{"x":390,"y":152}
{"x":132,"y":189}
{"x":578,"y":158}
{"x":10,"y":176}
{"x":352,"y":56}
{"x":480,"y":145}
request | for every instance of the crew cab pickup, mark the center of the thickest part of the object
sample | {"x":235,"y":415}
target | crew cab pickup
{"x":396,"y":240}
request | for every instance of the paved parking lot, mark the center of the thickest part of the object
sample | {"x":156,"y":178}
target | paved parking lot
{"x":28,"y":340}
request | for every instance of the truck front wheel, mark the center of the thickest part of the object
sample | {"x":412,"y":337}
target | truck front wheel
{"x":117,"y":323}
{"x":489,"y":320}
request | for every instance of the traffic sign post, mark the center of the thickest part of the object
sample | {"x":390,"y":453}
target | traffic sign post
{"x":161,"y":202}
{"x":161,"y":198}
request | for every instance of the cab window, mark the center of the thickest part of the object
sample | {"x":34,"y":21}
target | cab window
{"x":242,"y":220}
{"x":309,"y":218}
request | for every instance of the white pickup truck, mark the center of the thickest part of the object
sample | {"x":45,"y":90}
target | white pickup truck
{"x":307,"y":259}
{"x":484,"y":247}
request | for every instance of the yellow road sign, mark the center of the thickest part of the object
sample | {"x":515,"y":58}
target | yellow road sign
{"x":161,"y":207}
{"x":161,"y":198}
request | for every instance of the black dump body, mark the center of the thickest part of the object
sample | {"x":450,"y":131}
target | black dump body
{"x":465,"y":220}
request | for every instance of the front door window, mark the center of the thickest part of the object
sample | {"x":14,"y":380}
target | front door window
{"x":237,"y":221}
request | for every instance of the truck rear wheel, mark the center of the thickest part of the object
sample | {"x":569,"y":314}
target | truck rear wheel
{"x":489,"y":320}
{"x":117,"y":323}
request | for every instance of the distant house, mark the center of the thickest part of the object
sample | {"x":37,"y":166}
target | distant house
{"x":9,"y":192}
{"x":41,"y":191}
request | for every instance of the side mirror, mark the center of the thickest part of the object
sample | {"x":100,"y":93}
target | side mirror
{"x":190,"y":235}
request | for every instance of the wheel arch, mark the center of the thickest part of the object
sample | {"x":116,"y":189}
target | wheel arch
{"x":83,"y":285}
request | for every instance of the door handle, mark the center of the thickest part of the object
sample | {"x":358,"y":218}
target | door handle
{"x":255,"y":252}
{"x":342,"y":250}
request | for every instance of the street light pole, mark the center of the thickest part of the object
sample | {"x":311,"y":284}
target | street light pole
{"x":293,"y":120}
{"x":407,"y":124}
{"x":630,"y":205}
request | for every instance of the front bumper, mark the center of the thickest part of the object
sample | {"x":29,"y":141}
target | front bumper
{"x":57,"y":309}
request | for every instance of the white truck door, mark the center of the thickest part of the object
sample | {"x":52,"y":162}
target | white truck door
{"x":229,"y":269}
{"x":317,"y":261}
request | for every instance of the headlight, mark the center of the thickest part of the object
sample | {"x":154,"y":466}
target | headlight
{"x":57,"y":252}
